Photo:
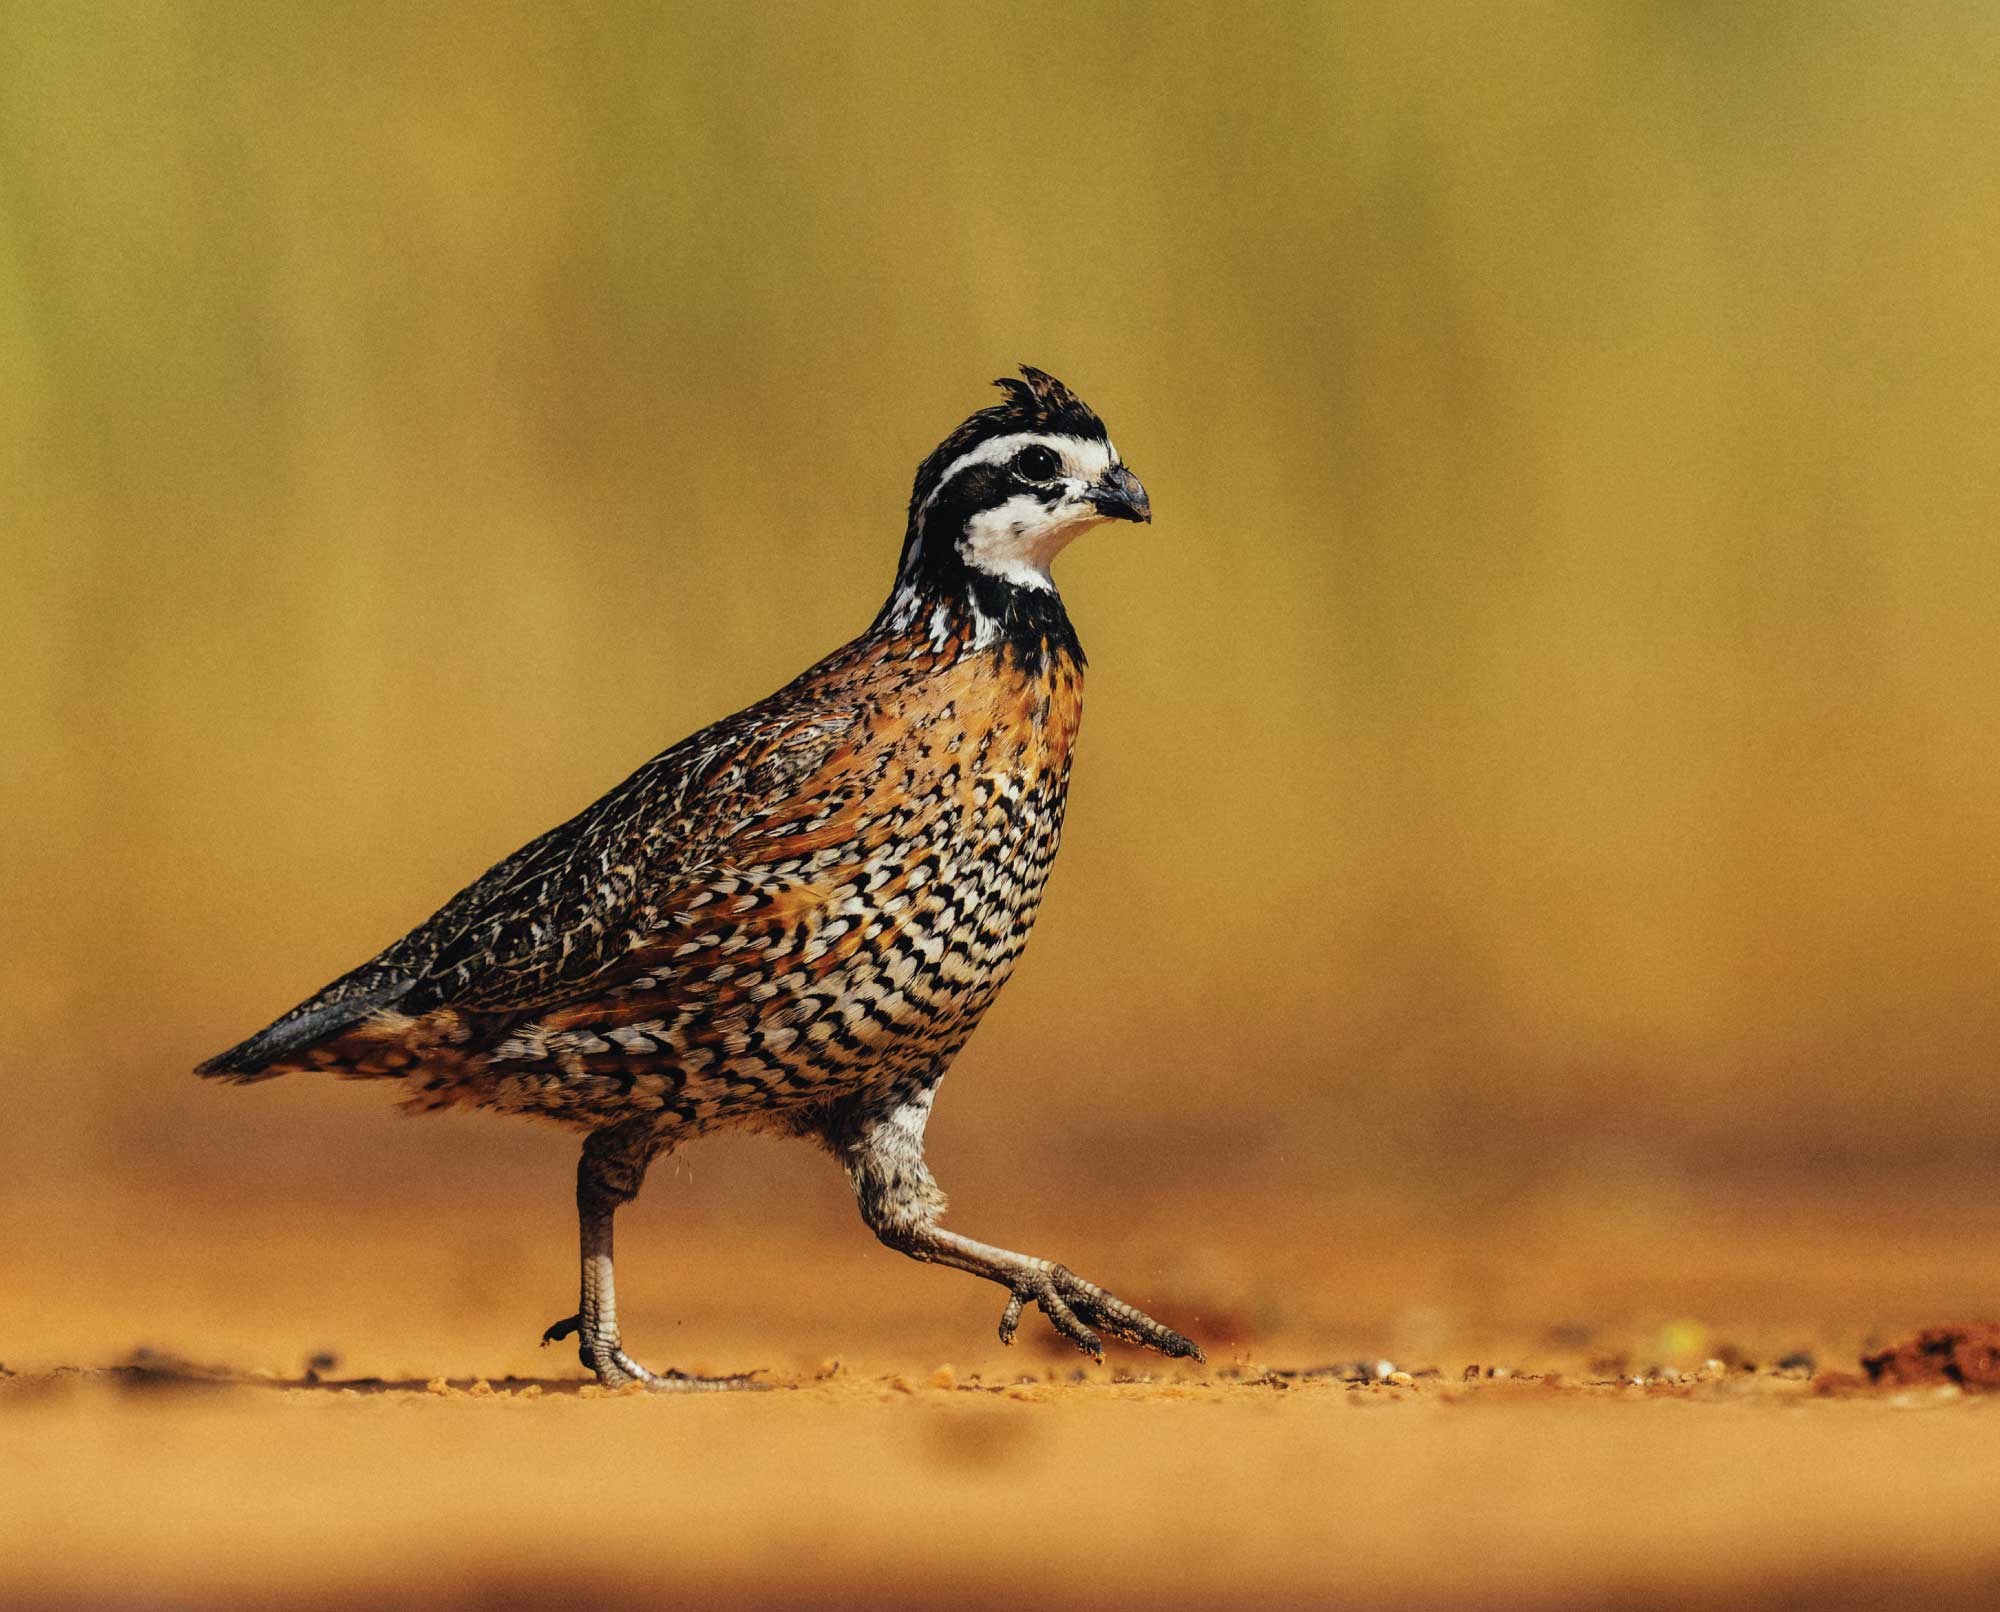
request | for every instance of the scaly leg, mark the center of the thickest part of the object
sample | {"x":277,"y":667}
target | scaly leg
{"x":609,"y":1174}
{"x":883,"y":1152}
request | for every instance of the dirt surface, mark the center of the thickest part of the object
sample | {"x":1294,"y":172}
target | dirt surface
{"x":1736,"y":1488}
{"x":1414,"y":1421}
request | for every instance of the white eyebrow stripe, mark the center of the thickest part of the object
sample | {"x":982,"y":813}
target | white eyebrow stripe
{"x":995,"y":450}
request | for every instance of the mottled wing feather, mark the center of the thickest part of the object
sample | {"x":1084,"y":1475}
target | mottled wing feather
{"x":570,"y":908}
{"x":543,"y":929}
{"x":776,"y":909}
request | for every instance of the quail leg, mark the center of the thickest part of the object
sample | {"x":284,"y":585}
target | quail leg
{"x":901,"y":1202}
{"x":609,"y":1174}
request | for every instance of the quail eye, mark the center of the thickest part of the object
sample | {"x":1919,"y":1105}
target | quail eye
{"x":1037,"y":463}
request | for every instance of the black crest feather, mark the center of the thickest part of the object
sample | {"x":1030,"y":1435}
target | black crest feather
{"x":1035,"y":402}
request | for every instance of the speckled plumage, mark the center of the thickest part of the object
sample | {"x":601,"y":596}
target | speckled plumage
{"x":792,"y":920}
{"x":810,"y":902}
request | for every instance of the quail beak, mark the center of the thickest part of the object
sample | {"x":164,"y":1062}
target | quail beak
{"x":1120,"y":496}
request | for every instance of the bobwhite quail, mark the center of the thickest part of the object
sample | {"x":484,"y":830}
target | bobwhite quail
{"x":791,"y":921}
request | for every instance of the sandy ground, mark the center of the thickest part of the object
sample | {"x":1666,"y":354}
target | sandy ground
{"x":865,"y":1492}
{"x":1594,"y":1456}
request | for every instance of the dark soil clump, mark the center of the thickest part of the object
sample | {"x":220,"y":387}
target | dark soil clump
{"x":1966,"y":1355}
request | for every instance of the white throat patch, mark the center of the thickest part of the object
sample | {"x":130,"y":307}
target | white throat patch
{"x":1017,"y":541}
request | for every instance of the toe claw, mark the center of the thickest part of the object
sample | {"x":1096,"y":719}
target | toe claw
{"x":566,"y":1328}
{"x":1065,"y":1320}
{"x":1070,"y":1302}
{"x":1017,"y":1301}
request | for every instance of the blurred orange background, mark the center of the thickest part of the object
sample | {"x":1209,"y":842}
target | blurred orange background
{"x":1540,"y":766}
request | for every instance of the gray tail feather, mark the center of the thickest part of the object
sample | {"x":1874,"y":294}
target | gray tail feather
{"x":273,"y":1050}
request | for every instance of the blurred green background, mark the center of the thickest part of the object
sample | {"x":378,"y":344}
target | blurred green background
{"x":1547,"y":742}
